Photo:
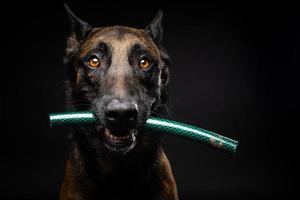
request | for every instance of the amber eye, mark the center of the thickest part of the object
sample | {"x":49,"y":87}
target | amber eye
{"x":144,"y":63}
{"x":94,"y":62}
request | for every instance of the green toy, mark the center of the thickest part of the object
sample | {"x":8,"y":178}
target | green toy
{"x":153,"y":125}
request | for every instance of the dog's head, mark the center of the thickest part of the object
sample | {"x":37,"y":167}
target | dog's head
{"x":121,"y":74}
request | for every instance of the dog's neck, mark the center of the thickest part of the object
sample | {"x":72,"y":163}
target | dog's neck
{"x":100,"y":165}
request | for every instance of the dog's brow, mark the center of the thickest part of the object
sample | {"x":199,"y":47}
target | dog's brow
{"x":102,"y":46}
{"x":119,"y":33}
{"x":139,"y":47}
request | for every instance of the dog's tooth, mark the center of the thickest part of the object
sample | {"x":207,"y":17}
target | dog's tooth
{"x":133,"y":138}
{"x":106,"y":133}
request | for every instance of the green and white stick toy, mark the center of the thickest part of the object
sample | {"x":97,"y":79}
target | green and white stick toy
{"x":153,"y":125}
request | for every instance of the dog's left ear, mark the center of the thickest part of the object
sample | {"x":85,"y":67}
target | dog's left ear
{"x":79,"y":30}
{"x":155,"y":29}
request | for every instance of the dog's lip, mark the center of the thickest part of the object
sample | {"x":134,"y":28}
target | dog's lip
{"x":115,"y":139}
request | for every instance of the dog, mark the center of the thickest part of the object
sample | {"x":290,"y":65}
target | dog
{"x":122,"y":75}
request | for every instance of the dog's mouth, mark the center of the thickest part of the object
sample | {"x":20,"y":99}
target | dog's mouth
{"x":120,"y":141}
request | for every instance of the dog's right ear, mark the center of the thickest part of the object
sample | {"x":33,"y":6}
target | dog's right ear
{"x":79,"y":30}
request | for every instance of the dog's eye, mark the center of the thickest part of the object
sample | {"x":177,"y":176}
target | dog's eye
{"x":144,"y":63}
{"x":94,"y":62}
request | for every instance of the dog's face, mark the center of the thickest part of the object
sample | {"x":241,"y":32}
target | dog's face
{"x":119,"y":73}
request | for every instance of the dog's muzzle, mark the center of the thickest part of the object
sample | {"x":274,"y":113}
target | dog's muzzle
{"x":119,"y":130}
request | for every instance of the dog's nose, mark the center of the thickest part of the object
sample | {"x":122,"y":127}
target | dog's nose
{"x":121,"y":114}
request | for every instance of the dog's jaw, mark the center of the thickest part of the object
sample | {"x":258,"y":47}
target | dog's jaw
{"x":121,"y":144}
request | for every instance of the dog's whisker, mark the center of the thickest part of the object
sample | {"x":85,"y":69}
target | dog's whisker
{"x":159,"y":114}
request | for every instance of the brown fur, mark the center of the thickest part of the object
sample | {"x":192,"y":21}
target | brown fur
{"x":162,"y":173}
{"x":92,"y":171}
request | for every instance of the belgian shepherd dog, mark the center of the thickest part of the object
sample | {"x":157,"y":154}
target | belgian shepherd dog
{"x":121,"y":74}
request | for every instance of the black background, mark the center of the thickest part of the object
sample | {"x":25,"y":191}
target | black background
{"x":234,"y":72}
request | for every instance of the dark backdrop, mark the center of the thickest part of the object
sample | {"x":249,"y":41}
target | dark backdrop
{"x":233,"y":72}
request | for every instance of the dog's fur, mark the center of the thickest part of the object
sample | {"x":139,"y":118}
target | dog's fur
{"x":94,"y":171}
